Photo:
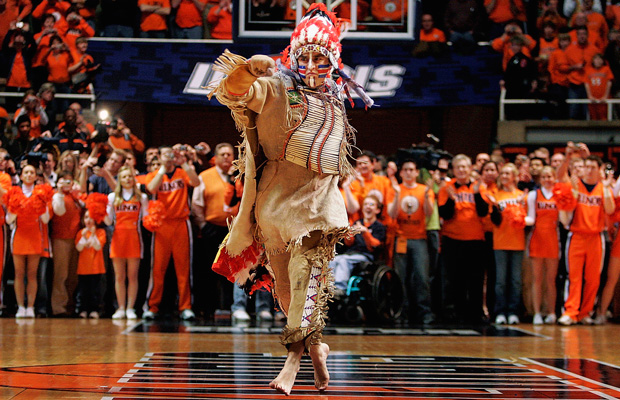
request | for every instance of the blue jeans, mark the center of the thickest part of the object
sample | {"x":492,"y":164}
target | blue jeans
{"x":508,"y":281}
{"x":577,"y":111}
{"x":187,"y":33}
{"x":343,"y":264}
{"x":240,"y":300}
{"x":118,"y":31}
{"x":413,"y":270}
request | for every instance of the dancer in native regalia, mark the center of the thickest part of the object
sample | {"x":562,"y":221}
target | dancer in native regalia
{"x":296,"y":140}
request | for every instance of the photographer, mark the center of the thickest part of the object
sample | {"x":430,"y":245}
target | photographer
{"x":18,"y":49}
{"x":122,"y":138}
{"x":32,"y":108}
{"x":58,"y":60}
{"x":73,"y":26}
{"x":502,"y":43}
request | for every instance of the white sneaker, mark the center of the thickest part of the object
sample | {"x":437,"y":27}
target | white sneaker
{"x":187,"y":315}
{"x":513,"y":319}
{"x":94,"y":315}
{"x":566,"y":320}
{"x":148,"y":315}
{"x":21,"y":312}
{"x":84,"y":314}
{"x":30,"y":312}
{"x":264,"y":316}
{"x":500,"y":319}
{"x":130,"y":314}
{"x":600,"y":319}
{"x":241,"y":315}
{"x":550,"y":319}
{"x":538,"y":319}
{"x":280,"y":316}
{"x":587,"y":320}
{"x":119,"y":314}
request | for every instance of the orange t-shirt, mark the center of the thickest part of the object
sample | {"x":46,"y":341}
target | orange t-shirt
{"x":18,"y":76}
{"x":70,"y":33}
{"x":58,"y":67}
{"x":151,"y":21}
{"x":502,"y":12}
{"x":411,"y":219}
{"x":612,"y":12}
{"x":59,"y":8}
{"x":67,"y":225}
{"x":597,"y":28}
{"x":42,"y":48}
{"x":173,"y":193}
{"x":597,"y":80}
{"x":593,"y":38}
{"x":90,"y":261}
{"x":575,"y":55}
{"x":487,"y":224}
{"x":559,"y":68}
{"x":188,"y":15}
{"x":589,"y":214}
{"x":221,"y":23}
{"x":506,"y":236}
{"x":545,"y":48}
{"x":389,"y":10}
{"x":465,"y":224}
{"x":379,"y":186}
{"x":435,"y":35}
{"x":217,"y":212}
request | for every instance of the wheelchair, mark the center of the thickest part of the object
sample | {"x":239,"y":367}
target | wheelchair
{"x":374,"y":294}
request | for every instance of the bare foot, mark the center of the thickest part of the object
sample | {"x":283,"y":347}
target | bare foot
{"x":283,"y":383}
{"x":319,"y":354}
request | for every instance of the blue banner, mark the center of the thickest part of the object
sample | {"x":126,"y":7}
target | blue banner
{"x":176,"y":72}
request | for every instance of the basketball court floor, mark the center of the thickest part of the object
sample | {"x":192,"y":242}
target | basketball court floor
{"x":105,"y":359}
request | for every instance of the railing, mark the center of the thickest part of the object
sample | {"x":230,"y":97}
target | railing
{"x":503,"y":101}
{"x":92,"y":97}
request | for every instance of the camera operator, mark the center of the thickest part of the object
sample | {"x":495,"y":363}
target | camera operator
{"x":31,"y":107}
{"x":122,"y":138}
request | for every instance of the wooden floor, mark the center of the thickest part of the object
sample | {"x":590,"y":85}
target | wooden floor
{"x":88,"y":359}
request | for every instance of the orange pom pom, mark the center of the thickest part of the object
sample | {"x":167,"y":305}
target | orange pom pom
{"x":515,"y":214}
{"x":96,"y":204}
{"x":15,"y":200}
{"x":155,"y":217}
{"x":563,"y":196}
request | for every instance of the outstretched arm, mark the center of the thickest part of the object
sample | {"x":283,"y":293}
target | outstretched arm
{"x":243,"y":76}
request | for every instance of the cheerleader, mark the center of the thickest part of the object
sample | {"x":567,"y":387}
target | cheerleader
{"x":126,"y":206}
{"x":26,"y":246}
{"x":508,"y":243}
{"x":544,"y":244}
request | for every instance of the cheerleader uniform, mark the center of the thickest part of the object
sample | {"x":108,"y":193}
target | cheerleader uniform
{"x":544,"y":240}
{"x":27,"y":236}
{"x":126,"y":239}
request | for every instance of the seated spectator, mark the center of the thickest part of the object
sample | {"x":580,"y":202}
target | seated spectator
{"x":84,"y":69}
{"x":363,"y":247}
{"x":117,"y":18}
{"x":32,"y":108}
{"x":550,"y":13}
{"x":153,"y":21}
{"x":461,"y":21}
{"x":73,"y":26}
{"x":12,"y":12}
{"x":57,"y":8}
{"x":188,"y":20}
{"x":220,"y":20}
{"x":502,"y":44}
{"x":58,"y":60}
{"x":432,"y":40}
{"x":502,"y":13}
{"x":519,"y":79}
{"x":598,"y":87}
{"x":579,"y":55}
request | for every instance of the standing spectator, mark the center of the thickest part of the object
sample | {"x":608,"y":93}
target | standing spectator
{"x":220,"y":20}
{"x":5,"y":185}
{"x":120,"y":137}
{"x":68,"y":162}
{"x":46,"y":96}
{"x":84,"y":69}
{"x":126,"y":206}
{"x":556,"y":160}
{"x":559,"y":69}
{"x":91,"y":269}
{"x":26,"y":246}
{"x":488,"y":175}
{"x":508,"y":244}
{"x":550,"y":13}
{"x":118,"y":18}
{"x":544,"y":245}
{"x":64,"y":226}
{"x":22,"y":142}
{"x":612,"y":55}
{"x":598,"y":87}
{"x":72,"y":27}
{"x":212,"y":215}
{"x":535,"y":167}
{"x":170,"y":186}
{"x":153,"y":21}
{"x":597,"y":24}
{"x":481,"y":159}
{"x":87,"y":10}
{"x":48,"y":166}
{"x":412,"y":204}
{"x":18,"y":50}
{"x":503,"y":43}
{"x":594,"y":37}
{"x":12,"y":12}
{"x":57,"y":8}
{"x":579,"y":55}
{"x":58,"y":60}
{"x":520,"y":79}
{"x":502,"y":13}
{"x":547,"y":44}
{"x":42,"y":39}
{"x":461,"y":21}
{"x":574,"y":6}
{"x":585,"y":246}
{"x":188,"y":21}
{"x":462,"y":208}
{"x":69,"y":136}
{"x":31,"y":107}
{"x":612,"y":13}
